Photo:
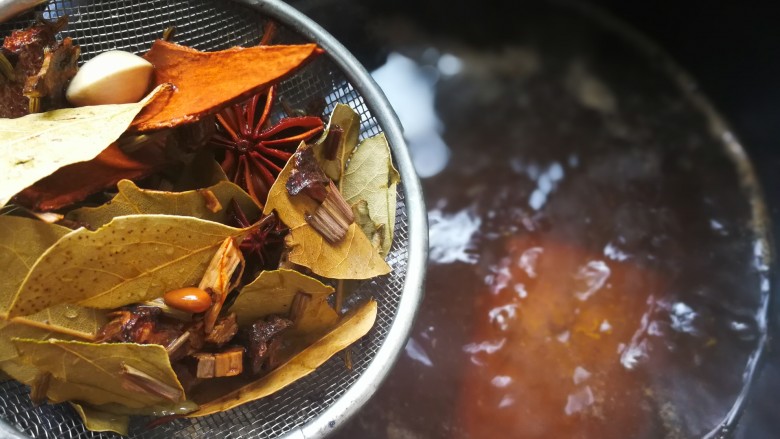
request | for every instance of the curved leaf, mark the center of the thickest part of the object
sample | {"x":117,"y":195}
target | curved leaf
{"x":22,"y":242}
{"x":273,"y":293}
{"x":372,"y":177}
{"x":98,"y":420}
{"x":132,"y":200}
{"x":10,"y":362}
{"x":351,"y":258}
{"x":36,"y":145}
{"x":65,"y":318}
{"x":131,"y":259}
{"x":94,"y":372}
{"x":348,"y":121}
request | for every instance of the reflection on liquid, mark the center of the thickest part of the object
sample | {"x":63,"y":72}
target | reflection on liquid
{"x":451,"y":236}
{"x":592,"y":270}
{"x":410,"y":89}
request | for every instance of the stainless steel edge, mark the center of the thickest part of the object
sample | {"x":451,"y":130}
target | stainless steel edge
{"x":335,"y":415}
{"x":8,"y":432}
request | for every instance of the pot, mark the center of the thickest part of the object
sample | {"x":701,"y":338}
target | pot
{"x":601,"y":254}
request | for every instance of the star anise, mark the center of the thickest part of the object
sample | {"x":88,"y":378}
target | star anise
{"x":254,"y":151}
{"x":263,"y":244}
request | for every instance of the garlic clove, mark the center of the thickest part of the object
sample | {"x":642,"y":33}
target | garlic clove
{"x":113,"y":77}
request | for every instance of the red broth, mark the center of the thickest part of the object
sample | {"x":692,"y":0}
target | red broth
{"x":597,"y":269}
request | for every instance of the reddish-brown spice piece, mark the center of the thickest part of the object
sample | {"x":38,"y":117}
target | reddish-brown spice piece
{"x":188,"y":299}
{"x":254,"y":152}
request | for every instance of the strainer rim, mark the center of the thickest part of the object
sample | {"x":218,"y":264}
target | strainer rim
{"x":361,"y":390}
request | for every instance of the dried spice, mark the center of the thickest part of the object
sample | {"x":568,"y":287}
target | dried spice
{"x":23,"y":55}
{"x":202,"y":85}
{"x":255,"y":153}
{"x":350,"y":329}
{"x":99,"y":420}
{"x":351,"y":258}
{"x":371,"y":178}
{"x":130,"y":200}
{"x":167,"y":199}
{"x":46,"y":89}
{"x":77,"y":181}
{"x":131,"y":259}
{"x":36,"y":145}
{"x":133,"y":375}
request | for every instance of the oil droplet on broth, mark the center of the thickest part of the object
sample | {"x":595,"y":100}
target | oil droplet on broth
{"x":169,"y":251}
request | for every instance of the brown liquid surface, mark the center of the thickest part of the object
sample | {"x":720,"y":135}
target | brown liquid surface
{"x":593,"y":272}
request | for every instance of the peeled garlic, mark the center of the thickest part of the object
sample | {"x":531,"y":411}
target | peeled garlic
{"x":113,"y":77}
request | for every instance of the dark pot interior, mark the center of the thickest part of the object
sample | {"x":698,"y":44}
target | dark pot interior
{"x":560,"y":138}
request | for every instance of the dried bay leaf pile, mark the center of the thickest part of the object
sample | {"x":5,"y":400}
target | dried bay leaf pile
{"x":175,"y":256}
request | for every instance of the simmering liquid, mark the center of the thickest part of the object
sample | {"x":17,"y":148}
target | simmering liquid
{"x":594,"y":266}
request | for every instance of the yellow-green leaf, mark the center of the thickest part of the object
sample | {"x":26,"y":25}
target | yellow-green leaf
{"x":36,"y":145}
{"x":350,"y":329}
{"x":273,"y":293}
{"x":131,"y":259}
{"x":375,"y":232}
{"x":348,"y":120}
{"x":22,"y":242}
{"x":132,"y":200}
{"x":10,"y":362}
{"x":351,"y":258}
{"x":98,"y":420}
{"x":65,"y":318}
{"x":94,"y":372}
{"x":372,"y":177}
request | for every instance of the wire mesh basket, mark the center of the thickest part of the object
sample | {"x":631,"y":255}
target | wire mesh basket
{"x":320,"y":402}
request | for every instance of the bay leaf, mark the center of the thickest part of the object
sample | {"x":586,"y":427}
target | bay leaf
{"x":36,"y":145}
{"x":371,"y":176}
{"x":93,"y":372}
{"x":157,"y":410}
{"x":346,"y":119}
{"x":65,"y":318}
{"x":131,"y":259}
{"x":351,"y":328}
{"x":10,"y":363}
{"x":351,"y":258}
{"x":375,"y":232}
{"x":208,"y":81}
{"x":68,"y":184}
{"x":98,"y":420}
{"x":132,"y":200}
{"x":22,"y":242}
{"x":273,"y":292}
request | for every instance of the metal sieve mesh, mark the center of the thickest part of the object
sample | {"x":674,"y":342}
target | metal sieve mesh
{"x":319,"y":402}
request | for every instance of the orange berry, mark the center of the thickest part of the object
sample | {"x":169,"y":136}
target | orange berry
{"x":188,"y":299}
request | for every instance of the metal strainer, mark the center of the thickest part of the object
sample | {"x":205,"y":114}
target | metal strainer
{"x":318,"y":403}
